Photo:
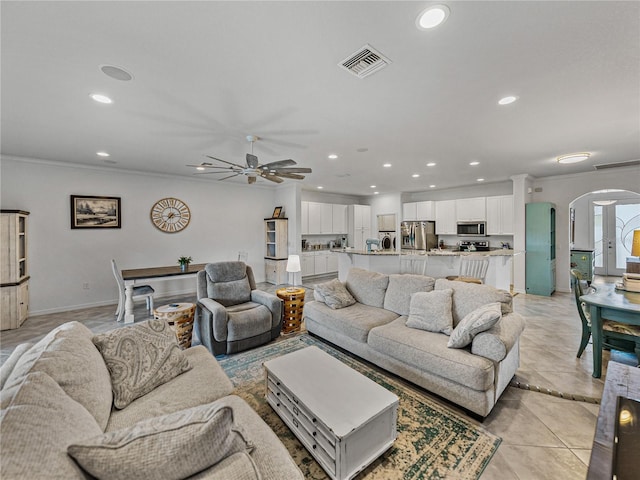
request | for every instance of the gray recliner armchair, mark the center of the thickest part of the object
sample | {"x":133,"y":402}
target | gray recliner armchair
{"x":232,"y":315}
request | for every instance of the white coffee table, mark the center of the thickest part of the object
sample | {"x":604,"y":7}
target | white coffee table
{"x":343,"y":418}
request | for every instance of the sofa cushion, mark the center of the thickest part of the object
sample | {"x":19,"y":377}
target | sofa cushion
{"x":9,"y":364}
{"x":334,"y":294}
{"x":469,"y":296}
{"x":496,"y":342}
{"x":428,"y":351}
{"x":247,"y":320}
{"x":401,"y":287}
{"x":481,"y":319}
{"x":228,"y":283}
{"x":172,"y":446}
{"x":239,"y":466}
{"x":69,"y":357}
{"x":139,"y":358}
{"x":204,"y":383}
{"x":355,"y":321}
{"x":431,"y":311}
{"x":37,"y":426}
{"x":367,"y":287}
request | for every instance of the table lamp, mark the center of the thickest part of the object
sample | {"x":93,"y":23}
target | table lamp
{"x":633,"y":262}
{"x":293,"y":266}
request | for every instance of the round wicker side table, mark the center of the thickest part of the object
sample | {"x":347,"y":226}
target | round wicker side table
{"x":292,"y":309}
{"x":180,"y":317}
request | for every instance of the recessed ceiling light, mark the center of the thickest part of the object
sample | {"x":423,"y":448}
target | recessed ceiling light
{"x":362,"y":150}
{"x":432,"y":186}
{"x":320,"y":187}
{"x":480,"y":180}
{"x":117,"y":73}
{"x":376,"y":193}
{"x":373,"y":186}
{"x":507,"y":100}
{"x":101,"y":98}
{"x":386,"y":165}
{"x":102,"y":154}
{"x":474,"y":163}
{"x":431,"y":164}
{"x":415,"y":175}
{"x":574,"y":157}
{"x":432,"y":17}
{"x":333,"y":156}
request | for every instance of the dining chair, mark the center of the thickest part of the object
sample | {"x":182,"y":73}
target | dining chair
{"x":473,"y":269}
{"x":615,"y":335}
{"x":413,"y":264}
{"x":139,"y":291}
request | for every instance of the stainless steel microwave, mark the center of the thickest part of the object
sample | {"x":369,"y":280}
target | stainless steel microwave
{"x":472,"y":229}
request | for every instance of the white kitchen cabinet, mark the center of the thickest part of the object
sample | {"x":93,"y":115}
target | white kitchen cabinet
{"x":339,"y":219}
{"x":500,"y":215}
{"x":332,"y":262}
{"x":359,"y":225}
{"x":471,"y":209}
{"x":320,"y":264}
{"x":426,"y":210}
{"x":307,"y":263}
{"x":446,"y":217}
{"x":315,"y":218}
{"x":326,"y":218}
{"x":387,"y":222}
{"x":410,"y":211}
{"x":304,"y":218}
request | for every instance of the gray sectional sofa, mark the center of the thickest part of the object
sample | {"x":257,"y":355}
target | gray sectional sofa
{"x":58,"y":418}
{"x":375,"y":329}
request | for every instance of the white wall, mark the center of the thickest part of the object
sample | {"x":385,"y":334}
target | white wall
{"x":225,"y":218}
{"x":564,"y":189}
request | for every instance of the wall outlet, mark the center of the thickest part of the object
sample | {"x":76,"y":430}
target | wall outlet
{"x":85,"y":286}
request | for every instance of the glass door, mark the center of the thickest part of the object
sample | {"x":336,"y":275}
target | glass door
{"x":613,"y":227}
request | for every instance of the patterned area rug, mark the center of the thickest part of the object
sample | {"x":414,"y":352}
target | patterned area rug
{"x":433,"y":441}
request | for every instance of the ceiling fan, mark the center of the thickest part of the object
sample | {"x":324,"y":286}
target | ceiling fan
{"x":274,"y":171}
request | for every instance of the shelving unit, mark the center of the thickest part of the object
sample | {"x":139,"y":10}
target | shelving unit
{"x":276,"y":251}
{"x":540,"y":248}
{"x":14,"y":274}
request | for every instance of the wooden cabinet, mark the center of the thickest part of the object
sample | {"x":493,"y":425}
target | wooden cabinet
{"x":471,"y":209}
{"x":14,"y":275}
{"x":276,"y":251}
{"x":583,"y":261}
{"x":419,"y":211}
{"x":540,"y":256}
{"x":446,"y":217}
{"x":500,"y":215}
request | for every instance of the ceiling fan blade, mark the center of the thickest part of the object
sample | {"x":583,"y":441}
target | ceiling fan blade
{"x":230,"y":176}
{"x":211,"y":166}
{"x":278,"y":171}
{"x":251,"y":180}
{"x":293,"y":176}
{"x":279,"y":163}
{"x":272,"y":178}
{"x":209,"y":173}
{"x":252,"y":161}
{"x":224,"y":161}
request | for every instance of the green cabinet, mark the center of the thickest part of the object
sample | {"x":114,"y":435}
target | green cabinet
{"x":540,"y":248}
{"x":582,"y":260}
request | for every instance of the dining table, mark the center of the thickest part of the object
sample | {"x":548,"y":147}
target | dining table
{"x":131,"y":276}
{"x":609,"y":302}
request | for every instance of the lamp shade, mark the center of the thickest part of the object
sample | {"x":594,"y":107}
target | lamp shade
{"x":635,"y":246}
{"x":293,"y":263}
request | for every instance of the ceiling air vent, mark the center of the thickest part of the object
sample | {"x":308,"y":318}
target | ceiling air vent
{"x":364,"y":62}
{"x":604,"y":166}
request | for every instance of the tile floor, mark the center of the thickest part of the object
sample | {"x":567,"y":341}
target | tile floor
{"x":543,"y":437}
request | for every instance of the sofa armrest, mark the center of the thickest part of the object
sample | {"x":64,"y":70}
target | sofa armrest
{"x":272,"y":302}
{"x":496,"y":342}
{"x":213,"y":320}
{"x":8,"y":366}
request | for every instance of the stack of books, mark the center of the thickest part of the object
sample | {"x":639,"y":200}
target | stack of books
{"x":631,"y":282}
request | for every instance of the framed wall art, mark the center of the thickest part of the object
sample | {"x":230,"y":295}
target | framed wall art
{"x":276,"y":212}
{"x":95,"y":212}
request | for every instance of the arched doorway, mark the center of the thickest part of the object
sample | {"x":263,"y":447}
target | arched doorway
{"x":604,"y":221}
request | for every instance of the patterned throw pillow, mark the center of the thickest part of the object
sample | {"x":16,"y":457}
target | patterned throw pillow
{"x":431,"y":311}
{"x":481,"y":319}
{"x":173,"y":446}
{"x":334,"y":294}
{"x":140,"y":358}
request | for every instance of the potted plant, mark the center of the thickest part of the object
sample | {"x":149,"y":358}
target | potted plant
{"x":184,"y":262}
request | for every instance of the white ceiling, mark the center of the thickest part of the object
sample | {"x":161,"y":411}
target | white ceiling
{"x":206,"y":74}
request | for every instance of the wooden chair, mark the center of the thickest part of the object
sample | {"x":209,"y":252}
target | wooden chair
{"x":618,"y":336}
{"x":473,"y":269}
{"x":139,"y":291}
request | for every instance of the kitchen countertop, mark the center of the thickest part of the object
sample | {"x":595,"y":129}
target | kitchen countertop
{"x":441,"y":253}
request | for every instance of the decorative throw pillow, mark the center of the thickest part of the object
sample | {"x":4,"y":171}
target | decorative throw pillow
{"x":140,"y":358}
{"x":481,"y":319}
{"x":431,"y":311}
{"x":335,"y":294}
{"x":173,"y":446}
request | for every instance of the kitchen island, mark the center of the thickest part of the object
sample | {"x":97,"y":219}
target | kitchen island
{"x":440,"y":263}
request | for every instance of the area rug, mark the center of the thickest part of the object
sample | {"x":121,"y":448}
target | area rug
{"x":433,"y":441}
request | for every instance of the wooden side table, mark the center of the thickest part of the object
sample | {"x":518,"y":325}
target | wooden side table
{"x":292,"y":309}
{"x":180,"y":317}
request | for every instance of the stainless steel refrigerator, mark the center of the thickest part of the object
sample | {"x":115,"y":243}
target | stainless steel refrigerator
{"x":418,"y":235}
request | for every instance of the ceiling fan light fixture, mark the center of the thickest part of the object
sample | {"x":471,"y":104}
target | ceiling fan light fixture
{"x":573,"y":157}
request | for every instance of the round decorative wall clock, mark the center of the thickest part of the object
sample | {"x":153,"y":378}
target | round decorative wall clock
{"x":170,"y":215}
